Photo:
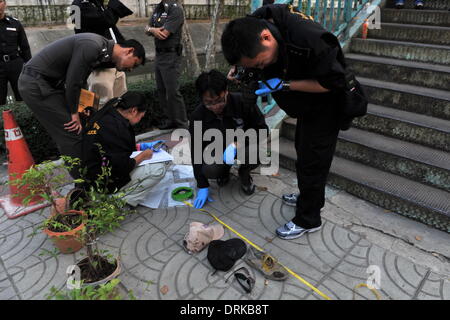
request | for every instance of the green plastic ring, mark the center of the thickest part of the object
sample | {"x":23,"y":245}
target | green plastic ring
{"x":182,"y":193}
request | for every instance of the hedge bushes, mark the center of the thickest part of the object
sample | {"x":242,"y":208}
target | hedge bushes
{"x":42,"y":146}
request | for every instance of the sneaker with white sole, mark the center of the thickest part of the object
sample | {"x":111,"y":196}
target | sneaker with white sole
{"x":291,"y":231}
{"x":290,"y":199}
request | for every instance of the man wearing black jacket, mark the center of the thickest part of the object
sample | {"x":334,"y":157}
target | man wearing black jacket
{"x":97,"y":18}
{"x":303,"y":66}
{"x":222,"y":111}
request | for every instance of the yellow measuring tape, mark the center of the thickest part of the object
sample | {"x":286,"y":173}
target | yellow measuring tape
{"x":374,"y":291}
{"x":260,"y":249}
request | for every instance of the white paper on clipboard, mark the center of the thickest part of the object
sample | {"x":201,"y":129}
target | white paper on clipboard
{"x":160,"y":156}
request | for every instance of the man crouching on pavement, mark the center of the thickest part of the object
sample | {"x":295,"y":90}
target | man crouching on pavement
{"x":223,"y":112}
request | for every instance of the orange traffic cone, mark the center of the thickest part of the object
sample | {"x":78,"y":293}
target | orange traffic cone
{"x":19,"y":160}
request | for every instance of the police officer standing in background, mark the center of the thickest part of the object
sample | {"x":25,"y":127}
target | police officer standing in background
{"x":14,"y":51}
{"x":97,"y":18}
{"x":166,"y":26}
{"x":303,"y":67}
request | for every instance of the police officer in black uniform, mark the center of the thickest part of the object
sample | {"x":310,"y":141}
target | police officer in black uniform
{"x":14,"y":51}
{"x":223,"y":111}
{"x":100,"y":19}
{"x":166,"y":26}
{"x":96,"y":17}
{"x":303,"y":66}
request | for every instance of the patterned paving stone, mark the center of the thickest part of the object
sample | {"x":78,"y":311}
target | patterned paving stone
{"x":150,"y":248}
{"x":400,"y":278}
{"x":435,"y":287}
{"x":21,"y":250}
{"x":7,"y":291}
{"x":10,"y":226}
{"x":35,"y":282}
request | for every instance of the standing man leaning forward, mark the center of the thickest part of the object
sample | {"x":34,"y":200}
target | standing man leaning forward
{"x":303,"y":66}
{"x":166,"y":26}
{"x":51,"y":82}
{"x":14,"y":51}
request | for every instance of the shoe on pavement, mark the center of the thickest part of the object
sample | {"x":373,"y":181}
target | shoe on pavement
{"x":290,"y":199}
{"x":222,"y":181}
{"x":399,"y":4}
{"x":247,"y":184}
{"x":418,"y":4}
{"x":266,"y":264}
{"x":291,"y":231}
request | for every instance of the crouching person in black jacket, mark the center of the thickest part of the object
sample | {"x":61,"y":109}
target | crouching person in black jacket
{"x":109,"y":140}
{"x":223,"y":113}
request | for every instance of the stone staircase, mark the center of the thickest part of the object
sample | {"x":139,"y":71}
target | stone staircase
{"x":398,"y":155}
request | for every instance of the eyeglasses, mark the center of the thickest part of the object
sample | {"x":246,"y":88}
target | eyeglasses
{"x":212,"y":104}
{"x":244,"y":279}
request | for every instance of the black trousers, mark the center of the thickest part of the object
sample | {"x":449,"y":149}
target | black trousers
{"x":315,"y":143}
{"x":10,"y":72}
{"x":167,"y":74}
{"x":49,"y":106}
{"x":216,"y":171}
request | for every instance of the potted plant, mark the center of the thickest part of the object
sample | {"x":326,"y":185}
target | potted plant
{"x":104,"y":213}
{"x":66,"y":223}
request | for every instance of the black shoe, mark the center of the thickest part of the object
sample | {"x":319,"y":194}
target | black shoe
{"x":247,"y":185}
{"x":246,"y":181}
{"x":223,"y":180}
{"x":167,"y":126}
{"x":248,"y":189}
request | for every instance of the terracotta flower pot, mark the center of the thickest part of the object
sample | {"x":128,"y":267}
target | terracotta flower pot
{"x":65,"y":203}
{"x":113,"y":275}
{"x":68,"y":241}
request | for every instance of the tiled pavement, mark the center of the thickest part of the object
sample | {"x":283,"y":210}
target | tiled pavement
{"x":335,"y":259}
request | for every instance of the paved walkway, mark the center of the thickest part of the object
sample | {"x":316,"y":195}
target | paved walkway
{"x":413,"y":258}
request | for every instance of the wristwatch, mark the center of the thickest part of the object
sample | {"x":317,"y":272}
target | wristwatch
{"x":286,"y":85}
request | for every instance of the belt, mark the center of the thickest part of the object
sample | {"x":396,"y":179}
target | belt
{"x":8,"y":57}
{"x":171,"y":49}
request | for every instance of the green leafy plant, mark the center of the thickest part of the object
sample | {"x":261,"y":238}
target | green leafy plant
{"x":41,"y":183}
{"x":107,"y":291}
{"x":105,"y":212}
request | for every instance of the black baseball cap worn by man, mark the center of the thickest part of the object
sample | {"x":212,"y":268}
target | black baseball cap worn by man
{"x":303,"y":67}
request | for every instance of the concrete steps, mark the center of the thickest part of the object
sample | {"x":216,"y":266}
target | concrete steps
{"x":398,"y":124}
{"x":411,"y":16}
{"x":415,"y":200}
{"x":400,"y":71}
{"x":436,"y":54}
{"x":407,"y":126}
{"x":427,"y":101}
{"x":409,"y":160}
{"x":412,"y":33}
{"x":417,"y":162}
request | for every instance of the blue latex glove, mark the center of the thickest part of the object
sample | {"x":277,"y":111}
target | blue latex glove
{"x":269,"y":86}
{"x":229,"y":154}
{"x":149,"y":145}
{"x":202,"y":196}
